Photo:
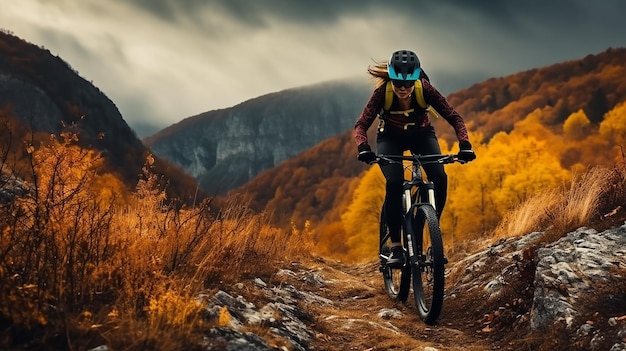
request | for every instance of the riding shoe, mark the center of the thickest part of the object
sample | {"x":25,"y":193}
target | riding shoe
{"x":397,"y":257}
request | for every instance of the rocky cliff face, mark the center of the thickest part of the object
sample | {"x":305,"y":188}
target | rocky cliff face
{"x":225,"y":148}
{"x":30,"y":102}
{"x":45,"y":95}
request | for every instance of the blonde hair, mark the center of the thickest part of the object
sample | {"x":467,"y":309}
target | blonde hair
{"x":379,"y":73}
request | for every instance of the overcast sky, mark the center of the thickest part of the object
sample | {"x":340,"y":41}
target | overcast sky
{"x":164,"y":60}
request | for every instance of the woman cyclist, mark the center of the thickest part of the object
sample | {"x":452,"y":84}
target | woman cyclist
{"x":405,"y":125}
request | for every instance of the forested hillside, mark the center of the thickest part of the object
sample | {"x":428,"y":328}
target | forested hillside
{"x":225,"y":148}
{"x":593,"y":84}
{"x":531,"y":130}
{"x":42,"y":95}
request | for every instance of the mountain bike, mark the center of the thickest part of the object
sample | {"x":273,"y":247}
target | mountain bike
{"x":421,"y":238}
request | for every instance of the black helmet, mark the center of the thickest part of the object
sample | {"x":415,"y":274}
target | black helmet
{"x":404,"y":65}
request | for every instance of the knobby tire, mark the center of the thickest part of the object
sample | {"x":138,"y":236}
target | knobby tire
{"x":428,"y":275}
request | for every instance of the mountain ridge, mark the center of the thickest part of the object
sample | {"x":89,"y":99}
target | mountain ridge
{"x":47,"y":96}
{"x":227,"y":147}
{"x":489,"y":106}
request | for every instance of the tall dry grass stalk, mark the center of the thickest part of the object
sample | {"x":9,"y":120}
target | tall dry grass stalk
{"x":79,"y":269}
{"x":531,"y":215}
{"x":563,"y":209}
{"x":580,"y":202}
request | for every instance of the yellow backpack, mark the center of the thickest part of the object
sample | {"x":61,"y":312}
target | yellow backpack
{"x":419,"y":97}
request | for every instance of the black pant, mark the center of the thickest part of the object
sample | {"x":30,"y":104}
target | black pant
{"x":420,"y":141}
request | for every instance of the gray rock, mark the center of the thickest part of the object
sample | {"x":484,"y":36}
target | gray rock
{"x":389,"y":313}
{"x":618,"y":347}
{"x":283,"y":317}
{"x":570,"y":268}
{"x":232,"y":340}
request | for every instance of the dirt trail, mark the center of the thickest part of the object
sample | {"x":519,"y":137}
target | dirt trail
{"x":355,"y":319}
{"x":361,"y":316}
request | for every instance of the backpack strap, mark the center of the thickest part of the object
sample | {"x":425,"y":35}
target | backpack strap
{"x":388,"y":96}
{"x":419,"y":97}
{"x":418,"y":92}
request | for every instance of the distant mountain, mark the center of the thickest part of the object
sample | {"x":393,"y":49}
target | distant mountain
{"x":299,"y":188}
{"x":47,"y":96}
{"x":225,"y":148}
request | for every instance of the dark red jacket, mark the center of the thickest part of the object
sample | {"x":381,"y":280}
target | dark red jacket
{"x":419,"y":116}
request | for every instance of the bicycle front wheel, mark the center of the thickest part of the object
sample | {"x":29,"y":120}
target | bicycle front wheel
{"x":397,"y":280}
{"x":427,"y":263}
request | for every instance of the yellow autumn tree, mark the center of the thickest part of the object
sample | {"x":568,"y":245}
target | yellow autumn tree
{"x":578,"y":137}
{"x":469,"y":205}
{"x":576,"y":126}
{"x":64,"y":169}
{"x":110,"y":188}
{"x":532,"y":167}
{"x":509,"y":169}
{"x":535,"y":125}
{"x":613,"y":131}
{"x":361,"y":219}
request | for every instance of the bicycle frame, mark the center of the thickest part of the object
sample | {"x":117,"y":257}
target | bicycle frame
{"x":426,"y":189}
{"x":422,"y":239}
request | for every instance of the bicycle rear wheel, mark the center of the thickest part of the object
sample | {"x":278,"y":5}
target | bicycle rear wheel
{"x":397,"y":280}
{"x":427,"y":263}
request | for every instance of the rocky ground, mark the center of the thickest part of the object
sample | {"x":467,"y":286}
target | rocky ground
{"x":515,"y":294}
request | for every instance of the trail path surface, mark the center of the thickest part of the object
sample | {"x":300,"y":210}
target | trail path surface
{"x":363,"y":317}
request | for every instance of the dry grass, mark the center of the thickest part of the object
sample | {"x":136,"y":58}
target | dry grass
{"x":585,"y":200}
{"x":83,"y":264}
{"x":594,"y":198}
{"x":81,"y":267}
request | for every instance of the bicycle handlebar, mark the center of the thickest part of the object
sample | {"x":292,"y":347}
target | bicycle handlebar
{"x":422,"y":159}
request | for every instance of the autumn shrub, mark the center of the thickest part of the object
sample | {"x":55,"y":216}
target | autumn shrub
{"x":586,"y":199}
{"x":615,"y":190}
{"x":84,"y":264}
{"x":51,"y":236}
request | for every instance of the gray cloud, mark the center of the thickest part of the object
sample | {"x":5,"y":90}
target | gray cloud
{"x":255,"y":13}
{"x":505,"y":12}
{"x":162,"y":60}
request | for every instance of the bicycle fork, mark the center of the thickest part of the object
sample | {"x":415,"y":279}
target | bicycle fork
{"x":410,"y":202}
{"x":416,"y":256}
{"x":425,"y":194}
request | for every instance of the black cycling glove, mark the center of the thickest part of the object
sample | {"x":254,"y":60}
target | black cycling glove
{"x":466,"y":154}
{"x":366,"y":154}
